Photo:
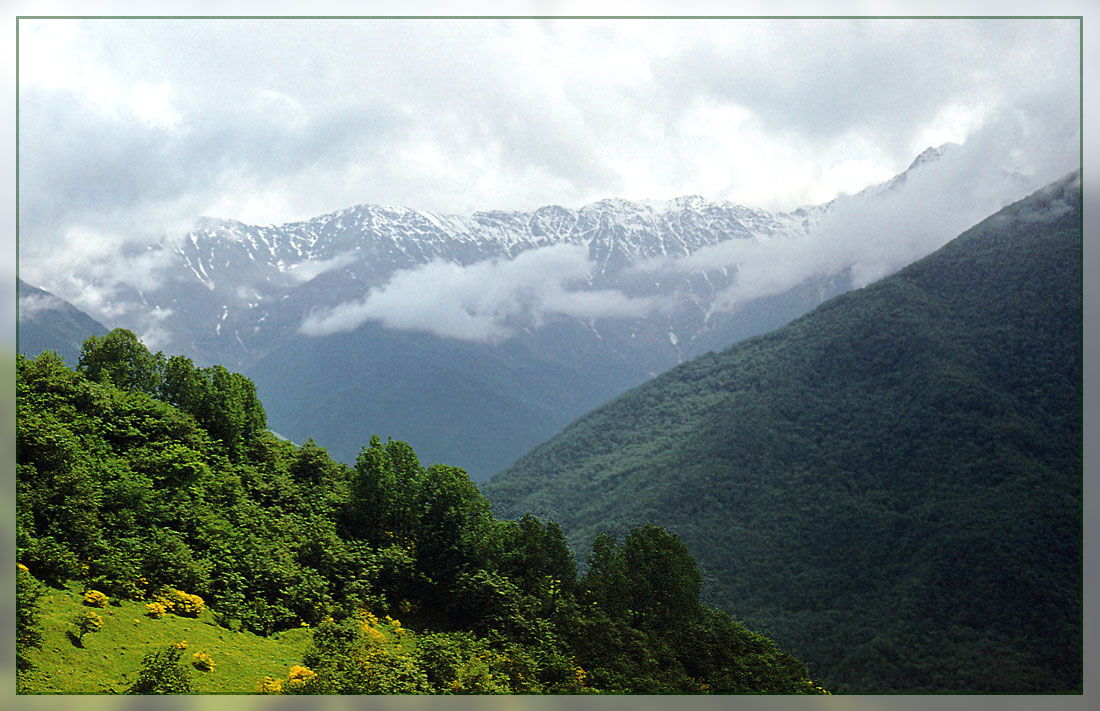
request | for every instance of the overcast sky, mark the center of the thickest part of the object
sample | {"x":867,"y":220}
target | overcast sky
{"x":130,"y":129}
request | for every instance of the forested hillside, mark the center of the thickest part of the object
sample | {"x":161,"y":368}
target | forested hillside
{"x":47,"y":322}
{"x":143,"y":480}
{"x":890,"y":485}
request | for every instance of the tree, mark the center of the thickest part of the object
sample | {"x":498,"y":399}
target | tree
{"x":180,"y":386}
{"x":385,"y":493}
{"x":650,"y":581}
{"x":455,"y":515}
{"x":537,"y":556}
{"x":86,"y":622}
{"x":228,"y":407}
{"x":122,"y":360}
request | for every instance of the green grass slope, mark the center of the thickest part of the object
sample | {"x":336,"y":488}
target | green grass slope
{"x":108,"y":661}
{"x":890,"y":485}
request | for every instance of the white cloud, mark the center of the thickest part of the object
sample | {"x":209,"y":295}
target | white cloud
{"x":486,"y":301}
{"x":31,"y":306}
{"x":304,"y":271}
{"x":138,"y":127}
{"x":876,"y":233}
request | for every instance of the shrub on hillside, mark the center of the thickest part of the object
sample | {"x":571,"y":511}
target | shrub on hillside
{"x":180,"y":603}
{"x":162,"y":673}
{"x":299,"y":676}
{"x":28,"y":627}
{"x":87,"y":622}
{"x":94,"y":598}
{"x":202,"y":661}
{"x":270,"y":686}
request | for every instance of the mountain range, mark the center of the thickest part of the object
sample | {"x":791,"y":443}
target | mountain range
{"x":440,"y":330}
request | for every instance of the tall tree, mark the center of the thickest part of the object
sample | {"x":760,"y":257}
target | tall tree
{"x":122,"y":360}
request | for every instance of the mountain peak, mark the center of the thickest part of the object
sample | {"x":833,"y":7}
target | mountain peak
{"x":931,"y":154}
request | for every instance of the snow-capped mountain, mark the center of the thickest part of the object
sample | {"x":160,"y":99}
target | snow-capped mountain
{"x":235,"y":287}
{"x":477,"y":337}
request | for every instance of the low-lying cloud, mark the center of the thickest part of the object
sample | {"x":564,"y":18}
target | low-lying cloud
{"x":866,"y":236}
{"x":487,"y":301}
{"x":31,"y":306}
{"x":873,"y":234}
{"x":310,"y":269}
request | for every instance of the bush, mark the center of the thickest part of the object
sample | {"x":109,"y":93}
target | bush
{"x":162,"y":673}
{"x":28,"y":627}
{"x":362,"y":656}
{"x":94,"y":598}
{"x":180,"y":603}
{"x":116,"y":571}
{"x":156,"y":610}
{"x":53,"y":562}
{"x":299,"y":676}
{"x":202,"y":661}
{"x":270,"y":686}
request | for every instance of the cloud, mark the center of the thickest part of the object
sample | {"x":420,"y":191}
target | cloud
{"x":876,"y":232}
{"x":304,"y":271}
{"x":131,"y":129}
{"x":486,"y":301}
{"x":31,"y":306}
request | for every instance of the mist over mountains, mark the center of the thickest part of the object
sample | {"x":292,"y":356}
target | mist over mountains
{"x":427,"y":327}
{"x":51,"y":323}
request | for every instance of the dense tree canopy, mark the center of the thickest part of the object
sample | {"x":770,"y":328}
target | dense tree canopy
{"x":145,"y":477}
{"x":890,"y":485}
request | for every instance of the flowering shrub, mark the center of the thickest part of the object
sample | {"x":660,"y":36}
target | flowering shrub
{"x":271,"y":686}
{"x":94,"y":598}
{"x":300,"y":675}
{"x":180,"y":603}
{"x":360,"y":655}
{"x":156,"y":610}
{"x":202,"y":661}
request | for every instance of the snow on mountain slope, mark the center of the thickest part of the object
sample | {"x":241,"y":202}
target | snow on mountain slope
{"x":393,"y":321}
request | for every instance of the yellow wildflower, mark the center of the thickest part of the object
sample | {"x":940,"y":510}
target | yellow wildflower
{"x":271,"y":686}
{"x":202,"y":661}
{"x":94,"y":598}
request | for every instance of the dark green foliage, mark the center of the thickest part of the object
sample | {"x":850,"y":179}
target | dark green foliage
{"x":385,"y":493}
{"x":537,"y":556}
{"x":650,"y":581}
{"x":162,"y":672}
{"x":890,"y":485}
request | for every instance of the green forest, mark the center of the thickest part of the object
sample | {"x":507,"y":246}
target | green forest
{"x":152,"y":496}
{"x":889,"y":486}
